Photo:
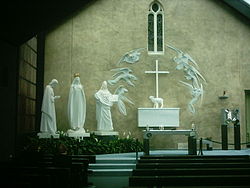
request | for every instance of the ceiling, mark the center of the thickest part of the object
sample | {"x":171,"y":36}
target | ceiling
{"x":21,"y":20}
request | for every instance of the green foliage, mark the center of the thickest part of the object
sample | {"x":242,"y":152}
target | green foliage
{"x":91,"y":145}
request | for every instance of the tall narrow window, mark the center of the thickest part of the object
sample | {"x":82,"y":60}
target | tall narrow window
{"x":27,"y":86}
{"x":155,"y":29}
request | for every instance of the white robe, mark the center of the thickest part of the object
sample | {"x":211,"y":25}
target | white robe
{"x":76,"y":105}
{"x":48,"y":119}
{"x":104,"y":100}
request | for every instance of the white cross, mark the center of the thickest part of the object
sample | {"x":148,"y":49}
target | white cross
{"x":157,"y":72}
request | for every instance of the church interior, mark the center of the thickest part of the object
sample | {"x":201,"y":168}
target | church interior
{"x":149,"y":93}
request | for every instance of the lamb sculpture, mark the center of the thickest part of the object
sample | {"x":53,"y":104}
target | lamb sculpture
{"x":156,"y":101}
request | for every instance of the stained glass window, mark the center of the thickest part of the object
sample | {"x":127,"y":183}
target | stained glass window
{"x":155,"y":7}
{"x":155,"y":29}
{"x":159,"y":32}
{"x":151,"y":32}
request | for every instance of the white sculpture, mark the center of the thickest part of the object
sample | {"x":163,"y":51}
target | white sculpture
{"x":124,"y":74}
{"x":120,"y":91}
{"x":184,"y":61}
{"x":158,"y":102}
{"x":104,"y":100}
{"x":132,"y":56}
{"x":76,"y":106}
{"x":197,"y":93}
{"x":48,"y":119}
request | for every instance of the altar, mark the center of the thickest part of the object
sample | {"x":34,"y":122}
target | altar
{"x":158,"y":117}
{"x":192,"y":145}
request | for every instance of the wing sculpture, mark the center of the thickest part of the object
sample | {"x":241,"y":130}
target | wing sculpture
{"x":183,"y":61}
{"x":181,"y":56}
{"x":120,"y":91}
{"x":196,"y":94}
{"x":124,"y":74}
{"x":131,"y":57}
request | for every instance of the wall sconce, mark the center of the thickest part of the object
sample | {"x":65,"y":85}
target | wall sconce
{"x":224,"y":96}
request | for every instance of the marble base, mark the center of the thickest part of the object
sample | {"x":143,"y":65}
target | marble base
{"x":78,"y":135}
{"x":158,"y":117}
{"x":106,"y":133}
{"x":47,"y":135}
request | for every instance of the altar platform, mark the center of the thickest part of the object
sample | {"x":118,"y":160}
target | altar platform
{"x":175,"y":152}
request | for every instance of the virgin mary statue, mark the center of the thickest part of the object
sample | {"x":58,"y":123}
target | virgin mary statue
{"x":76,"y":105}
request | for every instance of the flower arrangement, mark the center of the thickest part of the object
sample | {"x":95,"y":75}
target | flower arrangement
{"x":86,"y":146}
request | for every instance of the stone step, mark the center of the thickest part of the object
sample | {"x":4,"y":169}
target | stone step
{"x":111,"y":172}
{"x":112,"y":166}
{"x":115,"y":160}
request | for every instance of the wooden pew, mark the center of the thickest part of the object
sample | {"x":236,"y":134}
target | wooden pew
{"x":78,"y":166}
{"x":78,"y":163}
{"x":35,"y":176}
{"x":74,"y":158}
{"x":63,"y":171}
{"x":91,"y":158}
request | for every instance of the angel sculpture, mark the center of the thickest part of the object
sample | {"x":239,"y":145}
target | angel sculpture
{"x":193,"y":74}
{"x":132,"y":56}
{"x":120,"y":91}
{"x":196,"y":92}
{"x":123,"y":74}
{"x":182,"y":61}
{"x":182,"y":58}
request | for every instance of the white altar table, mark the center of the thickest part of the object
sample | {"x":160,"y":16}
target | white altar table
{"x":155,"y":117}
{"x":192,"y":146}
